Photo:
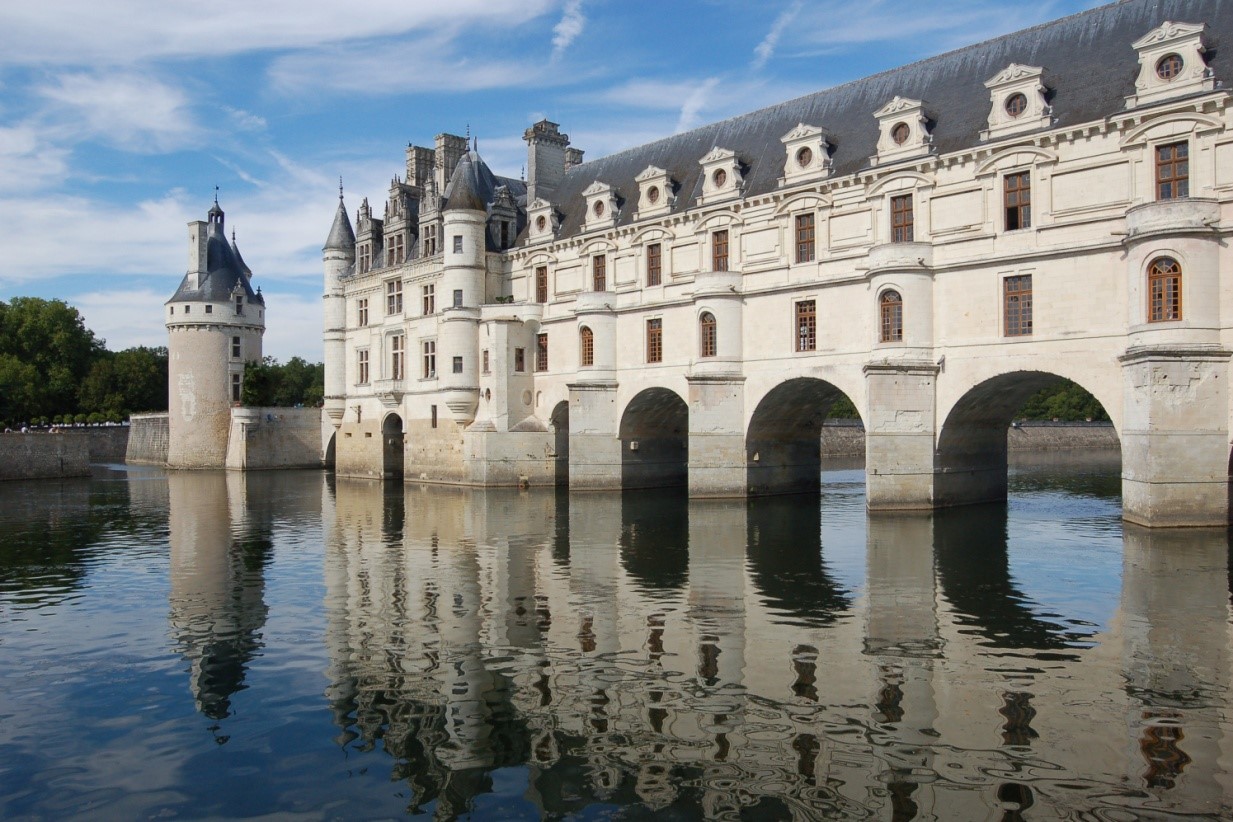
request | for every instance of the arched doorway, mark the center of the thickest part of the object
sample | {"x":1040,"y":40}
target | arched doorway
{"x":391,"y":447}
{"x":560,"y":441}
{"x":655,"y":440}
{"x":970,"y":461}
{"x":783,"y":447}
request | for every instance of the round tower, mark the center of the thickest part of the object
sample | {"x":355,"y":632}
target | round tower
{"x":338,"y":258}
{"x":215,"y":322}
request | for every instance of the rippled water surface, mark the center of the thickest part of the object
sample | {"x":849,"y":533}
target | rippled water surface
{"x":210,"y":645}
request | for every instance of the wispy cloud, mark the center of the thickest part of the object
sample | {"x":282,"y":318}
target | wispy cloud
{"x":133,"y":111}
{"x":764,"y":50}
{"x":695,"y":102}
{"x":572,"y":22}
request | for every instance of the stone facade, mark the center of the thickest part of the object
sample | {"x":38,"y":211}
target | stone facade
{"x":936,"y":243}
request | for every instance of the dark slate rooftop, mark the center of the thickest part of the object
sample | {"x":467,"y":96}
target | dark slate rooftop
{"x":224,"y":271}
{"x":341,"y":235}
{"x":1089,"y":67}
{"x":473,"y":185}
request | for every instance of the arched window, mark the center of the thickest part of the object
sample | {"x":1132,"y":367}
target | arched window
{"x":891,"y":305}
{"x":706,"y":325}
{"x":1164,"y":290}
{"x":586,"y":339}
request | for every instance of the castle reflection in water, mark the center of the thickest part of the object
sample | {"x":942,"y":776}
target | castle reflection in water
{"x":713,"y":658}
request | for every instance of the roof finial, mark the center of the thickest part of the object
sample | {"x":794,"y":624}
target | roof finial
{"x":233,"y":235}
{"x":468,"y":131}
{"x":215,"y":195}
{"x":340,"y":188}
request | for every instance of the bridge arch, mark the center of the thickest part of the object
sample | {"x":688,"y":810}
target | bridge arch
{"x":654,"y":435}
{"x":970,"y":460}
{"x":392,"y":438}
{"x":783,"y":442}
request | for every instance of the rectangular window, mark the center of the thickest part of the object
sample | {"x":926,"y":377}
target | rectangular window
{"x":654,"y":264}
{"x":541,"y":284}
{"x":430,"y":240}
{"x":239,"y":305}
{"x":235,"y":387}
{"x":457,"y":243}
{"x":458,"y":365}
{"x":1017,"y":305}
{"x":719,"y":250}
{"x":599,"y":271}
{"x":363,"y":258}
{"x":209,"y":309}
{"x":397,"y":352}
{"x":361,"y":363}
{"x":484,"y":360}
{"x":429,"y":348}
{"x":428,"y":296}
{"x":541,"y":352}
{"x":806,"y":325}
{"x":520,"y":360}
{"x":362,"y":310}
{"x":393,"y":297}
{"x":901,"y":219}
{"x":805,"y":248}
{"x":1017,"y":194}
{"x":1173,"y":171}
{"x":235,"y":348}
{"x":1164,"y":286}
{"x":395,"y":250}
{"x":457,"y":298}
{"x":655,"y":340}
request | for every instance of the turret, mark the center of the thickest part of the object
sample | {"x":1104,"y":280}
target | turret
{"x":338,"y":258}
{"x":215,"y":322}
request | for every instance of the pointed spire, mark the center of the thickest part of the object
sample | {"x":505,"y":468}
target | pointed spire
{"x":341,"y":238}
{"x":235,"y":250}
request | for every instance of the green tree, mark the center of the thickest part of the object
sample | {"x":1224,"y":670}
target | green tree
{"x":298,"y":382}
{"x":127,"y":382}
{"x":45,"y":353}
{"x":1065,"y":401}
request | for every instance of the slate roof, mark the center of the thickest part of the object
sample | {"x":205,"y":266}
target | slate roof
{"x":224,"y":271}
{"x":1089,"y":67}
{"x":341,"y":235}
{"x":473,"y":185}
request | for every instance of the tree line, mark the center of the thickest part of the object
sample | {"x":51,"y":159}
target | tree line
{"x":53,"y":370}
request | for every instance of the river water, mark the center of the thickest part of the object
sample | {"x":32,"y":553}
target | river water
{"x":220,"y":645}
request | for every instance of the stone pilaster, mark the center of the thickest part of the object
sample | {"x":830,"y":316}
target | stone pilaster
{"x":594,"y":447}
{"x":716,"y":436}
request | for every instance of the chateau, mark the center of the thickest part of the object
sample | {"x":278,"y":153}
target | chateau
{"x":936,"y":243}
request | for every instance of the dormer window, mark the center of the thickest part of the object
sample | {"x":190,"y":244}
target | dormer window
{"x":1172,"y":63}
{"x":1017,"y":102}
{"x":543,"y":220}
{"x":807,"y":154}
{"x":601,"y":205}
{"x":654,"y":192}
{"x":1169,"y":66}
{"x":239,"y":305}
{"x":541,"y":223}
{"x":904,"y":131}
{"x":722,"y":176}
{"x":598,"y":208}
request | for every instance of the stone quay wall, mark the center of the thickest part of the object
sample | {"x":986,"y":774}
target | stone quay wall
{"x":846,"y":438}
{"x":270,"y":438}
{"x":43,"y":456}
{"x":147,"y":439}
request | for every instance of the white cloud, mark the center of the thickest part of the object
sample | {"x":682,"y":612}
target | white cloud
{"x":124,"y":317}
{"x":293,"y":326}
{"x":572,"y":22}
{"x":27,"y":161}
{"x":764,"y":50}
{"x":133,"y":111}
{"x":245,"y":120}
{"x":123,"y":32}
{"x":694,"y":103}
{"x":424,"y":66}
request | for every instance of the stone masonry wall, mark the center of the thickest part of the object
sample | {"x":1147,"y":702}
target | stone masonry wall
{"x":147,"y":439}
{"x":269,"y":438}
{"x":43,"y":456}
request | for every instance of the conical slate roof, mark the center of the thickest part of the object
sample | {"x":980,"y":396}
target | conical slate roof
{"x":472,"y":184}
{"x":341,"y":238}
{"x":225,"y":273}
{"x":235,"y":249}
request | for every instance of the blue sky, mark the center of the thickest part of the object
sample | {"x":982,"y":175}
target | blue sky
{"x":118,"y":118}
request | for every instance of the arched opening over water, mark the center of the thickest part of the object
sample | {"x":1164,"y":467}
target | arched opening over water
{"x":328,"y":458}
{"x":391,"y":447}
{"x":560,"y":441}
{"x":655,"y":440}
{"x":783,"y":447}
{"x":971,"y":458}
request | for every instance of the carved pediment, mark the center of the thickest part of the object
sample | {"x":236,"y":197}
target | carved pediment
{"x":595,"y":189}
{"x":1167,"y":32}
{"x":717,"y":155}
{"x":898,"y":105}
{"x":650,"y":173}
{"x":1012,"y":73}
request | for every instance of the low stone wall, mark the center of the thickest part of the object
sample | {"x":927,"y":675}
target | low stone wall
{"x":43,"y":456}
{"x":846,"y":438}
{"x":147,"y":439}
{"x":107,"y":443}
{"x":267,"y":438}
